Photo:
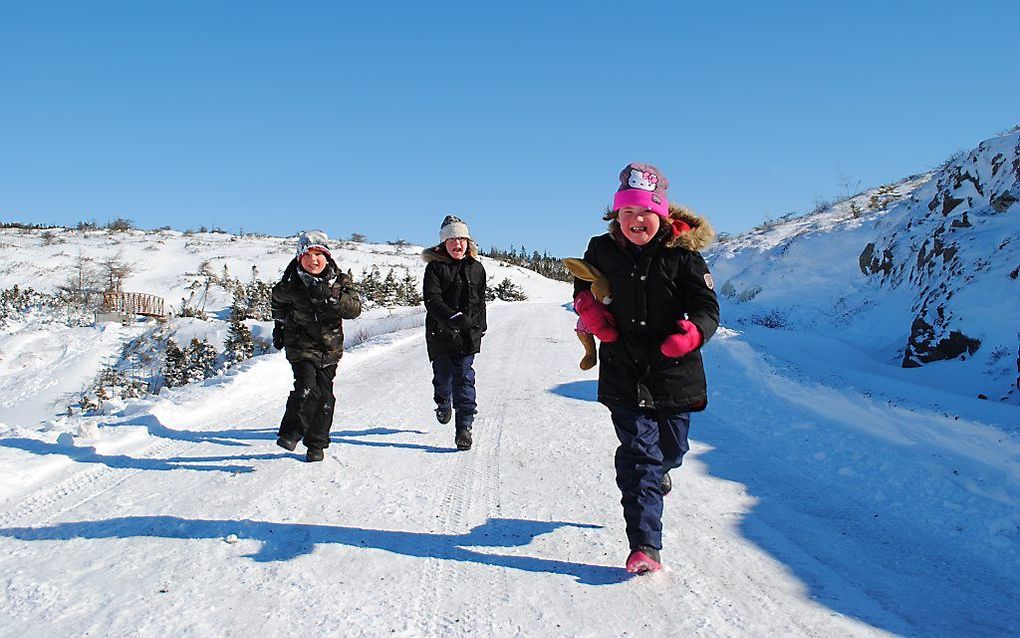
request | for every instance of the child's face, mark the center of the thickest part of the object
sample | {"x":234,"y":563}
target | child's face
{"x":456,"y":247}
{"x":313,"y":262}
{"x":639,"y":225}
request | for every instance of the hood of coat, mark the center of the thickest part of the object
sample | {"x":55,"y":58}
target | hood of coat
{"x":686,"y":229}
{"x":438,"y":253}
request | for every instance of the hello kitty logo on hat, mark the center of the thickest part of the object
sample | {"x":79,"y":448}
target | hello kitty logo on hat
{"x":643,"y":179}
{"x":644,"y":186}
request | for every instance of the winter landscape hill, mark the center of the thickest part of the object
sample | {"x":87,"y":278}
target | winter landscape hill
{"x":846,"y":478}
{"x":921,"y":272}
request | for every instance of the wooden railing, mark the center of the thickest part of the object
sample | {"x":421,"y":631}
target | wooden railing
{"x":133,"y":303}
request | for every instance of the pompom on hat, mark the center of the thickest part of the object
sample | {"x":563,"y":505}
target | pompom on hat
{"x":453,"y":227}
{"x":644,"y":186}
{"x":313,"y":239}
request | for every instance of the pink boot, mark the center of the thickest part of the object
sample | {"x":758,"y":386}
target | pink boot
{"x":643,"y":559}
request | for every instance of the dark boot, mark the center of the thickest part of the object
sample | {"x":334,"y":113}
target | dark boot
{"x":444,"y":413}
{"x":286,"y":443}
{"x":463,"y":438}
{"x":314,"y":454}
{"x":667,"y":484}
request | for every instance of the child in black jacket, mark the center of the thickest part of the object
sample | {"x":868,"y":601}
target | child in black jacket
{"x":651,"y":375}
{"x":454,"y":292}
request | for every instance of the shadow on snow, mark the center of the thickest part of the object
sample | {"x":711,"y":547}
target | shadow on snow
{"x":90,"y":455}
{"x":285,"y":541}
{"x":854,"y":553}
{"x":580,"y":390}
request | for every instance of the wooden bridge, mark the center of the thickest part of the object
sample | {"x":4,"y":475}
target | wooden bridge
{"x":122,"y":306}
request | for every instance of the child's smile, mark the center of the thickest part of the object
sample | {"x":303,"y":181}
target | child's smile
{"x":313,"y":262}
{"x":639,"y":225}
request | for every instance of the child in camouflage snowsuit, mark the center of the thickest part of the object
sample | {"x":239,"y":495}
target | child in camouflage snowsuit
{"x":309,"y":304}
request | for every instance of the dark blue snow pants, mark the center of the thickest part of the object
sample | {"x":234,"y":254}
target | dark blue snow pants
{"x":454,"y":381}
{"x":309,"y":414}
{"x":651,"y":444}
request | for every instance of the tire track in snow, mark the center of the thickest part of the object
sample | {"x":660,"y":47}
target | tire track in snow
{"x":474,"y":495}
{"x":45,"y":503}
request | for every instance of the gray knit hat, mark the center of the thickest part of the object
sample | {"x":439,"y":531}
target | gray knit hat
{"x":452,"y":228}
{"x":312,"y":239}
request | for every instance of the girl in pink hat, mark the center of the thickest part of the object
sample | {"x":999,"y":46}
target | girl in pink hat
{"x":651,"y":375}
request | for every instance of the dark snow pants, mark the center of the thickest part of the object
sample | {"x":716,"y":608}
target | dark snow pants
{"x":309,"y":414}
{"x":454,"y":381}
{"x":651,"y":444}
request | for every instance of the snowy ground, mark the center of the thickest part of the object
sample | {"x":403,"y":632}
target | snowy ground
{"x":810,"y":505}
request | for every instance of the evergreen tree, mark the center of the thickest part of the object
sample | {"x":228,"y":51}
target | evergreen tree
{"x":508,"y":291}
{"x":174,"y":365}
{"x":370,"y":284}
{"x":201,"y":360}
{"x":260,"y":299}
{"x":252,"y":300}
{"x":389,"y":290}
{"x":239,"y":344}
{"x":410,"y":295}
{"x":543,"y":264}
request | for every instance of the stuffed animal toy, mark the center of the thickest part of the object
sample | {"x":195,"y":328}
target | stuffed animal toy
{"x":600,"y":290}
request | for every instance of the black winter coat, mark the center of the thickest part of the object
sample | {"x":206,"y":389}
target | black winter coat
{"x":312,"y":309}
{"x":651,"y":289}
{"x":453,"y":286}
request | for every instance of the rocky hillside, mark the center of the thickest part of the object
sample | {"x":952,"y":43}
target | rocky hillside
{"x":954,"y":243}
{"x":914,"y":273}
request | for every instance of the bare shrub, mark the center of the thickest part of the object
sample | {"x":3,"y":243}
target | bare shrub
{"x":120,"y":225}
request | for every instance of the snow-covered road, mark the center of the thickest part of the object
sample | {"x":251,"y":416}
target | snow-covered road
{"x":803,"y":509}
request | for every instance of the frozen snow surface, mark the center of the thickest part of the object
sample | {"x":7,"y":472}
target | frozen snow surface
{"x":806,"y":507}
{"x":829,"y":491}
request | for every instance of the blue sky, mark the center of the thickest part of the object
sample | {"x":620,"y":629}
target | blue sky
{"x":381,"y":118}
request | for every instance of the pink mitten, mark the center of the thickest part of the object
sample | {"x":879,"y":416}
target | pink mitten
{"x":596,"y":316}
{"x":683,"y":343}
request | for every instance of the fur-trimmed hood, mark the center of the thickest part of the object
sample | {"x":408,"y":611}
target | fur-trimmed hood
{"x":438,"y":253}
{"x":687,"y":229}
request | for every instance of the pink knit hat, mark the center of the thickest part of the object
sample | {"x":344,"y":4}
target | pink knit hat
{"x":644,"y":186}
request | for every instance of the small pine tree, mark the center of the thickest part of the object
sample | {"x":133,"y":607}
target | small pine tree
{"x":260,"y":300}
{"x":201,"y":360}
{"x":239,"y":344}
{"x":389,"y":291}
{"x":370,"y":283}
{"x":174,"y":365}
{"x":409,"y":293}
{"x":509,"y":291}
{"x":241,"y":305}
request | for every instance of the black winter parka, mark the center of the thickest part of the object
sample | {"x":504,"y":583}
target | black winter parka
{"x":313,"y":327}
{"x":652,"y":288}
{"x":453,"y":286}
